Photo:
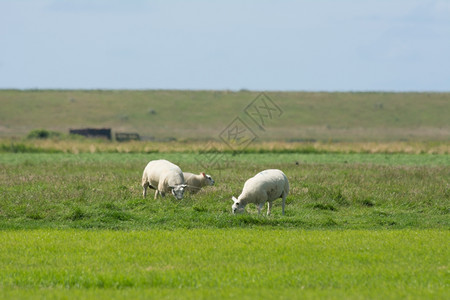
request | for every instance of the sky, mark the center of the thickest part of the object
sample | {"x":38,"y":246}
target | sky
{"x":263,"y":45}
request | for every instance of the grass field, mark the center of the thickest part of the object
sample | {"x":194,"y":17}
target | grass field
{"x":238,"y":263}
{"x":357,"y":226}
{"x":85,"y":145}
{"x":191,"y":115}
{"x":367,"y":216}
{"x":327,"y":191}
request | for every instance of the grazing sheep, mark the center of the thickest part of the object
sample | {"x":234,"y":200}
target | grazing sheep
{"x":196,"y":182}
{"x":163,"y":176}
{"x":266,"y":186}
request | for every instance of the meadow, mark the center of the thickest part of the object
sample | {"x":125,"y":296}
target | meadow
{"x":367,"y":216}
{"x":340,"y":191}
{"x":357,"y":226}
{"x":240,"y":263}
{"x":203,"y":115}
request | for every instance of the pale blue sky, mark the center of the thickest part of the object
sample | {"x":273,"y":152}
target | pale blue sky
{"x":321,"y":45}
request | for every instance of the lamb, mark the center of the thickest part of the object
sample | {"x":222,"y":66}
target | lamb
{"x":163,"y":176}
{"x":266,"y":186}
{"x":196,"y":182}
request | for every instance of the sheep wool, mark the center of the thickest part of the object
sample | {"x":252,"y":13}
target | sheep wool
{"x":196,"y":182}
{"x":266,"y":186}
{"x":163,"y":176}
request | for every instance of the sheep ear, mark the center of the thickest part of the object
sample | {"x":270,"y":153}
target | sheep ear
{"x":234,"y":199}
{"x":204,"y":175}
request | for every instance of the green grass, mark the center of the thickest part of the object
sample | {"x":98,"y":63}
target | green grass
{"x":204,"y":114}
{"x":226,"y":160}
{"x":357,"y":226}
{"x":367,"y":216}
{"x":337,"y":191}
{"x":230,"y":263}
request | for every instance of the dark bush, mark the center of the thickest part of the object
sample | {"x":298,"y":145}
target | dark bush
{"x":43,"y":134}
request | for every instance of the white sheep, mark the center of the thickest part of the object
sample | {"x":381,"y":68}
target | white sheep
{"x":163,"y":176}
{"x":266,"y":186}
{"x":196,"y":182}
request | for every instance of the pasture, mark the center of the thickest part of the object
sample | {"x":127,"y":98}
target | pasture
{"x":340,"y":191}
{"x":367,"y":216}
{"x":257,"y":263}
{"x":356,"y":226}
{"x":202,"y":115}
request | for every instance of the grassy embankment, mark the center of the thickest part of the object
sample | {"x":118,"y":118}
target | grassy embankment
{"x":203,"y":115}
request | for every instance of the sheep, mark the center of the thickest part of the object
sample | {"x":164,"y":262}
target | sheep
{"x":196,"y":182}
{"x":266,"y":186}
{"x":163,"y":176}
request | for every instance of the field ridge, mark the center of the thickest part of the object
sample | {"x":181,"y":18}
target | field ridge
{"x":166,"y":115}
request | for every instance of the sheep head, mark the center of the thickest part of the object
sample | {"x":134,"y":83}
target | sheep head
{"x":237,"y":207}
{"x":209,"y":179}
{"x":178,"y":190}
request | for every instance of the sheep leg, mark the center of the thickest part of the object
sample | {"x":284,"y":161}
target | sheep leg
{"x":260,"y":206}
{"x":269,"y":206}
{"x":144,"y":186}
{"x":156,"y":194}
{"x":283,"y":203}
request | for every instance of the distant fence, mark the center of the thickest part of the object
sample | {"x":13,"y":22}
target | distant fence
{"x":106,"y":133}
{"x":93,"y":132}
{"x":124,"y":136}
